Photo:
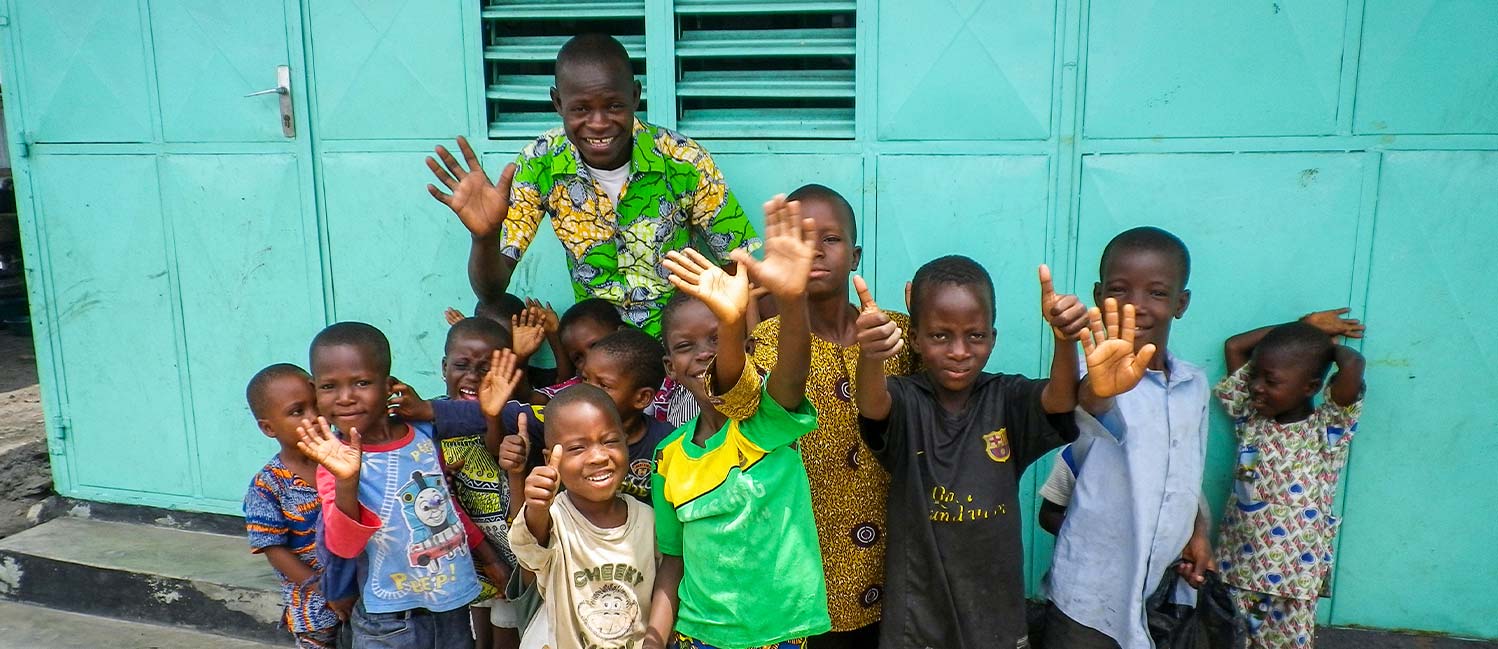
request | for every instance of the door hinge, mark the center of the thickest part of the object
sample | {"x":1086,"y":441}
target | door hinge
{"x":62,"y":425}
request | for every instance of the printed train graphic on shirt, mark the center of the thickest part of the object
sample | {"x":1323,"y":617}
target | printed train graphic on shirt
{"x":436,"y":532}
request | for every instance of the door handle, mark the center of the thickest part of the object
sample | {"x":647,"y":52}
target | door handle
{"x":283,"y":88}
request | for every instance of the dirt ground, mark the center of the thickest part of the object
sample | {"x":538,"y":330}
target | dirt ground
{"x":25,"y":476}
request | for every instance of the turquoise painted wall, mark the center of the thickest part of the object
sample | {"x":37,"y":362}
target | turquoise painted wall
{"x":1313,"y":153}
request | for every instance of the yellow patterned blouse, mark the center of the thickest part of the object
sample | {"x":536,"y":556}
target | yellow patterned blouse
{"x":848,"y":487}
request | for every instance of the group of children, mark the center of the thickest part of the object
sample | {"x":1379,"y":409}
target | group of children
{"x":714,"y":531}
{"x":835,"y":476}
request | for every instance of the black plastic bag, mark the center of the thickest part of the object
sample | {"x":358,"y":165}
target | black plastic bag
{"x":1208,"y":625}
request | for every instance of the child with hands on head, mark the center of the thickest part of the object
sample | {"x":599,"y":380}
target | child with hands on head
{"x":956,"y":441}
{"x":740,"y":563}
{"x":592,"y":550}
{"x":1274,"y":547}
{"x":281,"y":508}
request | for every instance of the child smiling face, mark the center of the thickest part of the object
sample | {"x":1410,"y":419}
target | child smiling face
{"x":593,"y":448}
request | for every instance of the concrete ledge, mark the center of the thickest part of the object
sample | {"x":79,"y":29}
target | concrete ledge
{"x":144,"y":573}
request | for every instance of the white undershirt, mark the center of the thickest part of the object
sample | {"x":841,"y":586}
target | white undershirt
{"x":612,"y":180}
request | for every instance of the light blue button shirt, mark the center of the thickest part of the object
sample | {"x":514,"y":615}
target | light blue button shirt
{"x":1135,"y":502}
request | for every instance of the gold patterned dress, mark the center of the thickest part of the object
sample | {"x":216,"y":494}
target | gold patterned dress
{"x":848,"y":487}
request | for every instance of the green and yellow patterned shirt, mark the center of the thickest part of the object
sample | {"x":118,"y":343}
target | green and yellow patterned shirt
{"x":674,"y":198}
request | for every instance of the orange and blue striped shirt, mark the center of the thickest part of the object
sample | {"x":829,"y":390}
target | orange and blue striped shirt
{"x":281,"y":509}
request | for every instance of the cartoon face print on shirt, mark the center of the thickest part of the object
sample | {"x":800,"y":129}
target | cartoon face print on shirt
{"x":435,"y":532}
{"x":610,"y":613}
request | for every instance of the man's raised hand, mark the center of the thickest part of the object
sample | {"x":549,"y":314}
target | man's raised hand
{"x":879,"y":338}
{"x":544,"y":481}
{"x":481,"y":206}
{"x":727,"y":296}
{"x":323,"y":447}
{"x":1113,"y":367}
{"x":1064,"y":312}
{"x":498,"y":384}
{"x":790,"y":247}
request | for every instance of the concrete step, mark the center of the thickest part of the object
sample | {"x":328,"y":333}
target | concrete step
{"x":144,"y":573}
{"x":23,"y":626}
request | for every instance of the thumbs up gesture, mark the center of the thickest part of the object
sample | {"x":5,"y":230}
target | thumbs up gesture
{"x":542,"y":485}
{"x":879,"y":338}
{"x":514,"y":450}
{"x":1064,"y":312}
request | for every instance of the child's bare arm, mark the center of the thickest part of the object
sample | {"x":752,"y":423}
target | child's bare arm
{"x":789,"y":250}
{"x":664,"y":600}
{"x":490,"y":562}
{"x":1113,"y":367}
{"x":1239,"y":348}
{"x":284,"y":560}
{"x":540,"y":489}
{"x":1347,"y":385}
{"x":727,"y":296}
{"x":879,"y":339}
{"x":1051,"y":516}
{"x":1067,"y":318}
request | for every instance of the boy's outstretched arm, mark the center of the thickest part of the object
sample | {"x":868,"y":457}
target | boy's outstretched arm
{"x":727,"y":296}
{"x":540,"y":489}
{"x":1113,"y":367}
{"x":482,"y":207}
{"x":1068,"y":319}
{"x":879,"y":339}
{"x":789,"y":250}
{"x":664,"y":600}
{"x":1347,"y":385}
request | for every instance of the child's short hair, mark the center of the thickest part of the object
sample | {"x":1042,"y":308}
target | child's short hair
{"x":674,"y":303}
{"x":1311,"y":348}
{"x":815,"y":192}
{"x":362,"y":336}
{"x":592,"y":49}
{"x":594,"y":309}
{"x":580,"y":393}
{"x":490,"y":331}
{"x":639,"y":353}
{"x":254,"y":393}
{"x":951,"y":270}
{"x":1150,"y":239}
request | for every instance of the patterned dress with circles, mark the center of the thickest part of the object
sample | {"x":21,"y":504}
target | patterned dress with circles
{"x":848,"y":487}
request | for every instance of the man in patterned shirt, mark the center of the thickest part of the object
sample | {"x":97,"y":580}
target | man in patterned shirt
{"x":621,"y":193}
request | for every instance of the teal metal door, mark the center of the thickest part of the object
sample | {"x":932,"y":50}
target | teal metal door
{"x":175,"y":221}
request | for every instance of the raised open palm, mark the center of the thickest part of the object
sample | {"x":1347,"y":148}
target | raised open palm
{"x":727,"y":296}
{"x":1113,"y":367}
{"x":480,"y":205}
{"x":323,"y":447}
{"x":499,"y":383}
{"x":528,"y":331}
{"x":790,"y":247}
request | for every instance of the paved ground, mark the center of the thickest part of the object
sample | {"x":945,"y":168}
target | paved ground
{"x":25,"y":477}
{"x":29,"y":627}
